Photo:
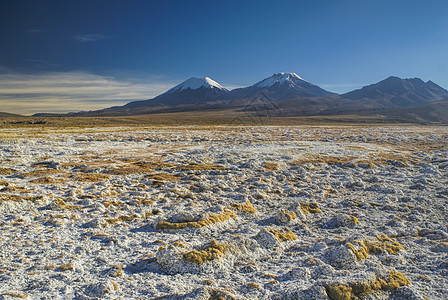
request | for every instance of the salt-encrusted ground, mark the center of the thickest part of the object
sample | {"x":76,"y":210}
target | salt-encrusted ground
{"x":224,"y":213}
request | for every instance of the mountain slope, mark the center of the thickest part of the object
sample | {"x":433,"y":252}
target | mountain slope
{"x":192,"y":91}
{"x":434,"y":112}
{"x":280,"y":86}
{"x":7,"y":115}
{"x":397,"y":92}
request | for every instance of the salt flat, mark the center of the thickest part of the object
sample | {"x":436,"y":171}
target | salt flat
{"x":224,"y":213}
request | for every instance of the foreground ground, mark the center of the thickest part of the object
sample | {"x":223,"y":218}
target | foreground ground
{"x":198,"y":212}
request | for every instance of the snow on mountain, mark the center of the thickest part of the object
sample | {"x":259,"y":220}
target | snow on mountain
{"x":194,"y":91}
{"x":195,"y":83}
{"x":282,"y":78}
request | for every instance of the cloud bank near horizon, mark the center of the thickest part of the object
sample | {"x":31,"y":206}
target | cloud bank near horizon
{"x":72,"y":91}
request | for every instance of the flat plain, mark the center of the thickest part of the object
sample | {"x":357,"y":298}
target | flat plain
{"x":223,"y":211}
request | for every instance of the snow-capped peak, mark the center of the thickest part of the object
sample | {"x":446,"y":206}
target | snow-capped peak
{"x":281,"y":78}
{"x":195,"y":83}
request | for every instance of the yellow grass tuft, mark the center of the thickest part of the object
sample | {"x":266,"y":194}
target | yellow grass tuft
{"x":212,"y":219}
{"x":246,"y":207}
{"x":208,"y":282}
{"x":154,"y":165}
{"x":312,"y":158}
{"x":18,"y":189}
{"x":108,"y":203}
{"x":16,"y":294}
{"x":270,"y":166}
{"x":47,"y":180}
{"x":63,"y":205}
{"x":253,"y":285}
{"x":201,"y":167}
{"x":354,"y":290}
{"x":311,"y":207}
{"x":212,"y":252}
{"x":15,"y":198}
{"x":120,"y":219}
{"x":91,"y":177}
{"x":65,"y":267}
{"x":117,"y":271}
{"x":384,"y":244}
{"x":339,"y":292}
{"x":129,"y":169}
{"x":288,"y":215}
{"x":7,"y":171}
{"x":160,"y":178}
{"x":269,"y":276}
{"x":283,"y":235}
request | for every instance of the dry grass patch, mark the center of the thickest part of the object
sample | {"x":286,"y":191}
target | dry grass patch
{"x":355,"y":148}
{"x":311,"y":207}
{"x":246,"y":207}
{"x":270,"y":166}
{"x":269,"y":276}
{"x":21,"y":295}
{"x":63,"y":205}
{"x":388,"y":158}
{"x":121,"y":219}
{"x":145,"y":201}
{"x":211,"y":219}
{"x":17,"y":189}
{"x":65,"y":267}
{"x":47,"y":180}
{"x":201,"y":167}
{"x":283,"y":234}
{"x":40,"y":172}
{"x":129,"y":169}
{"x":108,"y":203}
{"x":15,"y":198}
{"x":160,"y":178}
{"x":212,"y":252}
{"x":287,"y":216}
{"x":117,"y":271}
{"x":354,"y":290}
{"x":383,"y":244}
{"x":312,"y":158}
{"x":154,"y":165}
{"x":7,"y":171}
{"x":90,"y":177}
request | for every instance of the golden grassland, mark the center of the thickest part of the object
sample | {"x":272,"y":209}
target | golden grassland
{"x":209,"y":118}
{"x":24,"y":127}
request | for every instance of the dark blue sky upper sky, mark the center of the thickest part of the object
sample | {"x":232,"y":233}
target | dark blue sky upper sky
{"x":150,"y":45}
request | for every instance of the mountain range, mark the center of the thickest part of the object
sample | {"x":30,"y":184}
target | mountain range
{"x":287,"y":94}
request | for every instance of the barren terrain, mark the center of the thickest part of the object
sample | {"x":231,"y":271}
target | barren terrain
{"x":224,"y":212}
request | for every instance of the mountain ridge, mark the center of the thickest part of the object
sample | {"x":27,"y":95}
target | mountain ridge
{"x":285,"y":94}
{"x":396,"y":92}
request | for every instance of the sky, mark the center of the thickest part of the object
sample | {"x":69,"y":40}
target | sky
{"x":71,"y":55}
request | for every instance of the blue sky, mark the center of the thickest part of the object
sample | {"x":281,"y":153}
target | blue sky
{"x":78,"y":55}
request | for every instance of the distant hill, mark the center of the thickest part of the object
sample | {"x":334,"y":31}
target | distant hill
{"x":434,"y":112}
{"x":7,"y":115}
{"x":397,"y":92}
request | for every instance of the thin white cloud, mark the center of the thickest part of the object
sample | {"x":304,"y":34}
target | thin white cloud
{"x":35,"y":30}
{"x":90,"y":37}
{"x":72,"y":91}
